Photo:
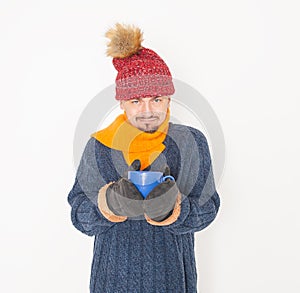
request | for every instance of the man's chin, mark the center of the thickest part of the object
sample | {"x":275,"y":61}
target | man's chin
{"x":148,"y":129}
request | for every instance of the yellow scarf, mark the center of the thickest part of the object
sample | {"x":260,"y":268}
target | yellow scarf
{"x":134,"y":143}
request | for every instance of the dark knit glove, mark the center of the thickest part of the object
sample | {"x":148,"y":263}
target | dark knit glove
{"x":160,"y":202}
{"x":123,"y":198}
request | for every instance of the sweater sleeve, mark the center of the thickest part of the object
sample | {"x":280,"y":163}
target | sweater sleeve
{"x":85,"y":214}
{"x":200,"y":201}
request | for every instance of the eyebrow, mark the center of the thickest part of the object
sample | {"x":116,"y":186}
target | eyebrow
{"x":153,"y":98}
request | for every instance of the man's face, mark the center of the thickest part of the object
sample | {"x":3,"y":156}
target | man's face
{"x":146,"y":114}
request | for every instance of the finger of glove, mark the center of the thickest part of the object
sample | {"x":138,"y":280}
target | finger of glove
{"x":127,"y":189}
{"x":166,"y":171}
{"x":130,"y":205}
{"x":161,"y":189}
{"x":112,"y":203}
{"x":135,"y":165}
{"x":161,"y":205}
{"x":125,"y":207}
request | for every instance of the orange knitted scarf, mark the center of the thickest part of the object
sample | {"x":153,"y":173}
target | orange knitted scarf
{"x":134,"y":143}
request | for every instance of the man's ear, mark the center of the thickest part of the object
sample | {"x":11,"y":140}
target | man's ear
{"x":169,"y":100}
{"x":121,"y":105}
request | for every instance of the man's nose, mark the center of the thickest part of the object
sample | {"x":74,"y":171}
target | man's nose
{"x":146,"y":107}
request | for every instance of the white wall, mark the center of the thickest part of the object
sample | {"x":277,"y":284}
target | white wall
{"x":242,"y":56}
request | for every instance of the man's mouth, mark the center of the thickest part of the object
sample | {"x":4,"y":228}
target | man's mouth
{"x":147,"y":119}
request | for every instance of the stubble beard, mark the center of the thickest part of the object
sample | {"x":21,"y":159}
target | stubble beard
{"x":148,"y":128}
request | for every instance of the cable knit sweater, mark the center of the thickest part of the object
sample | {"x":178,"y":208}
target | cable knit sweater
{"x":135,"y":256}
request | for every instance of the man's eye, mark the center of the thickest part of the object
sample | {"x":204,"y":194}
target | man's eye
{"x":157,"y":100}
{"x":134,"y":102}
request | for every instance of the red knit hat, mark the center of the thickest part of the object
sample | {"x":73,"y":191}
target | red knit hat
{"x":141,"y":72}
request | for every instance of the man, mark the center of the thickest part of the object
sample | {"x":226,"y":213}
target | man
{"x":143,"y":245}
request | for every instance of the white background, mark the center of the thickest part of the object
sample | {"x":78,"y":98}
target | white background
{"x":242,"y":56}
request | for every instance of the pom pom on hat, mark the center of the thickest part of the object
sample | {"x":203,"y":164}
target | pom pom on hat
{"x":141,"y":72}
{"x":124,"y":41}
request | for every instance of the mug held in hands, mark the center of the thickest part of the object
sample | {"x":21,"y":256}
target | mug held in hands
{"x":146,"y":181}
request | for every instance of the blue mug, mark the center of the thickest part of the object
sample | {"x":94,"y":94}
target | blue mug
{"x":145,"y":181}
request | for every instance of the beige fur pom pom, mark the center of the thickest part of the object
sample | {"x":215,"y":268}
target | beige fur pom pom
{"x":125,"y":40}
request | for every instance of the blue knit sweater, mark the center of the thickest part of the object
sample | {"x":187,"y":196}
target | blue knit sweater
{"x":135,"y":256}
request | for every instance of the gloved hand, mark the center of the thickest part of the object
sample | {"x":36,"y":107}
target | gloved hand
{"x":123,"y":198}
{"x":159,"y":203}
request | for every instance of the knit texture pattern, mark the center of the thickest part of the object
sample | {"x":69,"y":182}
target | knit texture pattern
{"x":134,"y":256}
{"x":143,"y":74}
